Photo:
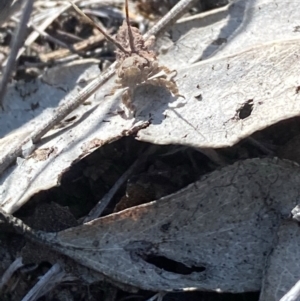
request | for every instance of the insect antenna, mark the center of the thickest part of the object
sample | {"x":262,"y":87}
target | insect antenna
{"x":90,"y":21}
{"x":130,"y":35}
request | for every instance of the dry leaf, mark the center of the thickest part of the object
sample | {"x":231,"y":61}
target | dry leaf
{"x":266,"y":85}
{"x":229,"y":98}
{"x":263,"y":81}
{"x":217,"y":233}
{"x":282,"y":271}
{"x":239,"y":26}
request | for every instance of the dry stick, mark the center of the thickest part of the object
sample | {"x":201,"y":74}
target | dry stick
{"x":90,"y":21}
{"x":70,"y":105}
{"x":52,"y":39}
{"x":293,"y":294}
{"x":170,"y":18}
{"x":157,"y":297}
{"x":56,"y":274}
{"x":7,"y":8}
{"x":130,"y":35}
{"x":46,"y":22}
{"x":260,"y":146}
{"x":6,"y":277}
{"x":78,"y":47}
{"x":47,"y":282}
{"x":103,"y":203}
{"x":15,"y":46}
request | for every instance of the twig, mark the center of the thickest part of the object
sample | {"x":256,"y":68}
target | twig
{"x":51,"y":279}
{"x":9,"y":272}
{"x":78,"y":47}
{"x":65,"y":109}
{"x":293,"y":294}
{"x":52,"y":39}
{"x":130,"y":35}
{"x":260,"y":146}
{"x":15,"y":46}
{"x":170,"y":18}
{"x":158,"y":297}
{"x":91,"y":22}
{"x":46,"y":22}
{"x":103,"y":203}
{"x":7,"y":8}
{"x":213,"y":155}
{"x":61,"y":112}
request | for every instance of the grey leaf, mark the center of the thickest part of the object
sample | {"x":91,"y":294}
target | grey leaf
{"x":217,"y":233}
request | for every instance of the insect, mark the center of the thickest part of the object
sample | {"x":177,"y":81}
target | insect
{"x":137,"y":63}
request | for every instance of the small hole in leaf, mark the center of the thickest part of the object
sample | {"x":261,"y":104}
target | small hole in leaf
{"x":72,"y":118}
{"x":246,"y":110}
{"x":173,"y":266}
{"x":198,"y":96}
{"x":34,"y":106}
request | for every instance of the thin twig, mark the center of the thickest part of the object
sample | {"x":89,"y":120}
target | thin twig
{"x":52,"y":39}
{"x":78,"y":47}
{"x":157,"y":297}
{"x":52,"y":278}
{"x":130,"y":35}
{"x":104,"y":202}
{"x":15,"y":46}
{"x":7,"y":8}
{"x":170,"y":18}
{"x":71,"y":104}
{"x":46,"y":21}
{"x":10,"y":271}
{"x":293,"y":294}
{"x":260,"y":146}
{"x":91,"y":22}
{"x":61,"y":112}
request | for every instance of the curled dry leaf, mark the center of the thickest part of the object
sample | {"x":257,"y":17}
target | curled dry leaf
{"x":267,"y":76}
{"x":218,"y":233}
